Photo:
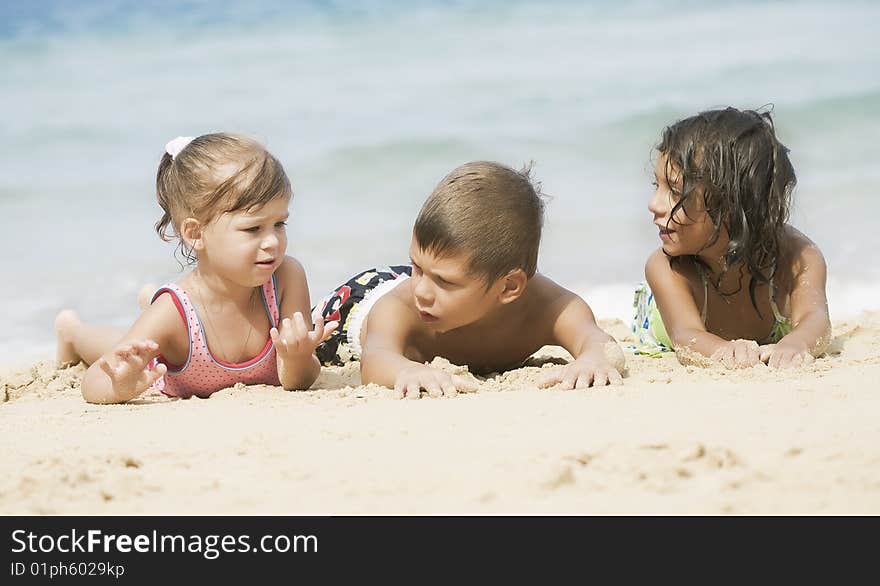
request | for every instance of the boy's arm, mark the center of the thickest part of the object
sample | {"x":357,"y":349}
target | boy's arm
{"x":598,"y":359}
{"x":683,"y":323}
{"x":391,"y":325}
{"x":122,"y":374}
{"x":811,"y":331}
{"x":295,"y":338}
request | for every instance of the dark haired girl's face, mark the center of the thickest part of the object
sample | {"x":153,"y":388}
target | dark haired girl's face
{"x":684,"y":231}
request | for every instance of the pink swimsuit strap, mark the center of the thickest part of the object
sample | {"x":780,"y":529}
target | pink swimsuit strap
{"x":203,"y":374}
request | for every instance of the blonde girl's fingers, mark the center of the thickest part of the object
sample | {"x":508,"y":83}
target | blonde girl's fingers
{"x":155,"y":374}
{"x":105,"y":365}
{"x":273,"y":335}
{"x":299,"y":326}
{"x":316,"y":333}
{"x":329,"y":328}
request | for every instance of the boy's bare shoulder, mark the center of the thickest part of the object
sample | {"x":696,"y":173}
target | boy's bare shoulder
{"x":395,"y":308}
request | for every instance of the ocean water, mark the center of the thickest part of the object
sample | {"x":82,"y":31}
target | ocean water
{"x":369,"y":104}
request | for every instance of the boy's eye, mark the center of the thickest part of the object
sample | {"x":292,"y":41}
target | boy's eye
{"x":443,"y":282}
{"x":252,"y":229}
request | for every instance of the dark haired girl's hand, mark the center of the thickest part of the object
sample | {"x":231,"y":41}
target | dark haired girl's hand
{"x":786,"y":354}
{"x":738,"y":354}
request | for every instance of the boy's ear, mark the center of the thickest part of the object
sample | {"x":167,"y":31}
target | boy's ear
{"x":514,"y":285}
{"x":191,"y":232}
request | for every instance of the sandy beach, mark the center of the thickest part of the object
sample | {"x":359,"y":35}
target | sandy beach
{"x":671,"y":440}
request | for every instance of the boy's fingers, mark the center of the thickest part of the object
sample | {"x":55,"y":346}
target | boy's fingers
{"x":464,"y":384}
{"x":584,"y":380}
{"x":413,"y":390}
{"x":433,"y":387}
{"x":550,"y":378}
{"x":399,"y":388}
{"x":614,"y":378}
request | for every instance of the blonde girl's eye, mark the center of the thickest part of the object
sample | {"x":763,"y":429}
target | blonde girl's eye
{"x":281,"y":224}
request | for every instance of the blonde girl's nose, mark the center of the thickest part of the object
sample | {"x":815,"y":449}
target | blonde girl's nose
{"x":269,"y":241}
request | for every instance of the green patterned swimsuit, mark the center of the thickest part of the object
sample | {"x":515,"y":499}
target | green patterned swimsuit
{"x":653,"y":338}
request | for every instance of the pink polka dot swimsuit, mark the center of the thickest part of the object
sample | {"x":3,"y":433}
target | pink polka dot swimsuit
{"x":202,"y":374}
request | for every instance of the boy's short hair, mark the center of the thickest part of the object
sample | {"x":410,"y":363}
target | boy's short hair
{"x":489,"y":211}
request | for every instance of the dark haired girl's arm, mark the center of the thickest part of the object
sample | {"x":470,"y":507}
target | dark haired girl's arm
{"x":684,"y":324}
{"x":811,"y":331}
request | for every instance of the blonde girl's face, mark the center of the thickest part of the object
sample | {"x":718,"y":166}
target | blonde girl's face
{"x":689,"y":229}
{"x":247,"y":246}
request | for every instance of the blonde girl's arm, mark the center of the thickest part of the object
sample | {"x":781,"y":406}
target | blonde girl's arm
{"x":681,"y":317}
{"x":296,"y":338}
{"x":811,"y":330}
{"x":122,"y":374}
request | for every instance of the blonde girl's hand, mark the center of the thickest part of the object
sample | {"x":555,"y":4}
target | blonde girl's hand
{"x":738,"y":354}
{"x":412,"y":380}
{"x":127,"y":365}
{"x":786,"y":354}
{"x":581,"y":374}
{"x":294,"y":340}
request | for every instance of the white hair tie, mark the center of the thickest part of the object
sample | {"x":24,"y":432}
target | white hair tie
{"x":174,"y":147}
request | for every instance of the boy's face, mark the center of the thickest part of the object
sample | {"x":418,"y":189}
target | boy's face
{"x":446,"y":295}
{"x":686,"y":231}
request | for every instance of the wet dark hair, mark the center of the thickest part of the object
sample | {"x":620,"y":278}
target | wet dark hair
{"x":733,"y":159}
{"x":489,"y":211}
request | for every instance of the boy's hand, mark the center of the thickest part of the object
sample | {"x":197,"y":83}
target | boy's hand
{"x":786,"y":354}
{"x":738,"y":354}
{"x":294,"y":341}
{"x":127,"y":368}
{"x":413,"y":379}
{"x":581,"y":374}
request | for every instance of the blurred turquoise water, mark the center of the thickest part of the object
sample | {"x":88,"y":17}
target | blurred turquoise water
{"x":369,"y":104}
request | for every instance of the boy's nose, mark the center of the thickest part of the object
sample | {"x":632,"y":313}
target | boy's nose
{"x":422,"y":291}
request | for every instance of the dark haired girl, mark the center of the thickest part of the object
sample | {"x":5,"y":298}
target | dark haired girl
{"x":733,"y":283}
